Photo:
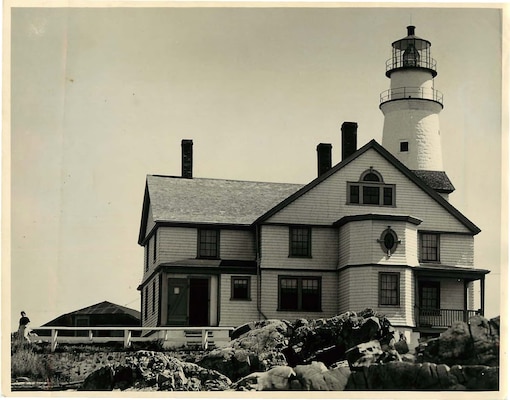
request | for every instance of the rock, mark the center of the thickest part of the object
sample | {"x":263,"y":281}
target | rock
{"x":317,"y":376}
{"x":258,"y":348}
{"x":327,"y":340}
{"x":99,"y":380}
{"x":426,"y":376}
{"x":155,"y":370}
{"x":476,"y":343}
{"x":277,"y":378}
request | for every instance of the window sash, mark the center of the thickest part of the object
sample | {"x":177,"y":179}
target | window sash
{"x":240,"y":288}
{"x":208,"y":243}
{"x":429,"y":248}
{"x":300,"y":294}
{"x":430,"y":295}
{"x":389,"y":288}
{"x":300,"y":242}
{"x":371,"y":193}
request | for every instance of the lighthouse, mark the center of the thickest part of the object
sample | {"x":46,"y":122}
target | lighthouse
{"x":411,"y":110}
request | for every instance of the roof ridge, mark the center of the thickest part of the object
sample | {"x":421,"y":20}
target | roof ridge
{"x":225,"y":180}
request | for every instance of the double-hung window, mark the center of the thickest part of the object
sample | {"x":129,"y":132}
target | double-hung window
{"x":371,"y":190}
{"x":299,"y":293}
{"x":429,"y":247}
{"x":208,"y":243}
{"x":300,"y":242}
{"x":389,"y":289}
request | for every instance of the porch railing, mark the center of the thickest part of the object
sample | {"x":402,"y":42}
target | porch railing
{"x":443,"y":317}
{"x":204,"y":337}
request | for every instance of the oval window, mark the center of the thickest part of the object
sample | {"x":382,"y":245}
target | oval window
{"x":389,"y":241}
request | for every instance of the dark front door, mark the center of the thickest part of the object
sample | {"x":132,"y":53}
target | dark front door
{"x":199,"y":302}
{"x":177,"y":302}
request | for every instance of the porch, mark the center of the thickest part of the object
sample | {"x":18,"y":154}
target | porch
{"x":444,"y":294}
{"x":441,"y":318}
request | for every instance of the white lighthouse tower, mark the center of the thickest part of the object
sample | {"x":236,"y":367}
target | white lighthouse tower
{"x":411,"y":110}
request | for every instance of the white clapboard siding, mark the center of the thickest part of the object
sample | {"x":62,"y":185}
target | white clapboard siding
{"x":359,"y":243}
{"x":237,"y":244}
{"x":362,"y":286}
{"x":269,"y":295}
{"x":275,"y":248}
{"x":237,"y":312}
{"x":326,"y":202}
{"x":176,"y":243}
{"x":152,"y":315}
{"x":457,"y":249}
{"x":452,"y":294}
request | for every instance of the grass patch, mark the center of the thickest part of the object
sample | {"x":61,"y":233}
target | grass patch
{"x":26,"y":362}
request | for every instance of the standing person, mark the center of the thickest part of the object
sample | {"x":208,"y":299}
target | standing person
{"x":23,"y":327}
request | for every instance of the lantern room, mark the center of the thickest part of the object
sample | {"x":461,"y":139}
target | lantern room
{"x":411,"y":52}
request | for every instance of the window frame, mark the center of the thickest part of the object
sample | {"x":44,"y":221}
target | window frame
{"x":248,"y":288}
{"x":430,"y":284}
{"x":153,"y":296}
{"x":299,"y":288}
{"x":437,"y":247}
{"x":292,"y":248}
{"x":154,"y":246}
{"x":201,"y":251}
{"x":146,"y":256}
{"x":361,"y":184}
{"x":380,"y":289}
{"x":146,"y":303}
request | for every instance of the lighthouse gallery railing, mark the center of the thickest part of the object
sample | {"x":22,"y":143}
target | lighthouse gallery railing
{"x":412,"y":93}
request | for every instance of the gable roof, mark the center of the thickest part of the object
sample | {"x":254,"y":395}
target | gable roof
{"x":104,"y":307}
{"x":209,"y":201}
{"x":392,"y":160}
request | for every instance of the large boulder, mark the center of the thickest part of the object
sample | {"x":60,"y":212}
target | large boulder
{"x":316,"y":376}
{"x":156,"y":371}
{"x":328,"y":340}
{"x":423,"y":376}
{"x":476,"y":343}
{"x":257,"y":347}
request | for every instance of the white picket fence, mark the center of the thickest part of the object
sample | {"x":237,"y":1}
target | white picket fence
{"x":171,"y":337}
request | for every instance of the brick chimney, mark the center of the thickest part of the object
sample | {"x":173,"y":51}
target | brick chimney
{"x":349,"y":138}
{"x":187,"y":158}
{"x":323,"y":158}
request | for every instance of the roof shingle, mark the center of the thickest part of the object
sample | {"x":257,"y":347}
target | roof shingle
{"x":214,"y":201}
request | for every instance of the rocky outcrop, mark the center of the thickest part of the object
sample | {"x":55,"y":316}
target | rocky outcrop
{"x":476,"y":343}
{"x":423,"y":376}
{"x":156,"y":371}
{"x":256,"y":347}
{"x":328,"y":340}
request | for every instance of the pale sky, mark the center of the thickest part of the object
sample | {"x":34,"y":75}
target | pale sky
{"x":103,"y":96}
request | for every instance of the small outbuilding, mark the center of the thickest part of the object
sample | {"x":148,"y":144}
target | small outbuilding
{"x":104,"y":314}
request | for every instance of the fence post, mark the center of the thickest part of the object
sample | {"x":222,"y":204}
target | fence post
{"x":204,"y":339}
{"x":127,"y":338}
{"x":90,"y":335}
{"x":54,"y":334}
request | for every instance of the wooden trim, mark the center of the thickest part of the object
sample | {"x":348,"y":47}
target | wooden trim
{"x":308,"y":238}
{"x":377,"y":217}
{"x":379,"y":290}
{"x":160,"y":297}
{"x":232,"y":278}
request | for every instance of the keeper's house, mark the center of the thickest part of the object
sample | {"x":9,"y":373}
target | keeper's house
{"x":374,"y":231}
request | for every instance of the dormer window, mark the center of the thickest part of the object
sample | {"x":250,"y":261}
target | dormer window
{"x":371,"y":190}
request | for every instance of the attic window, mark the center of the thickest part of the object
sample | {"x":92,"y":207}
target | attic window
{"x":371,"y":190}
